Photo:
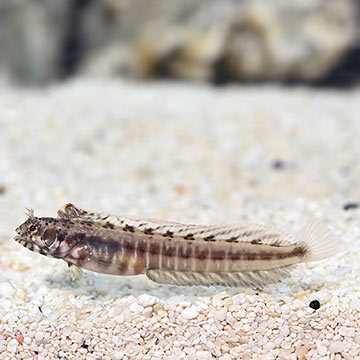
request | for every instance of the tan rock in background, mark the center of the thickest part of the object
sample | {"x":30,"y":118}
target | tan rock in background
{"x":215,"y":40}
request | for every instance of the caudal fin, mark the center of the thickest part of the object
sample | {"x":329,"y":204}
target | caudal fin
{"x":319,"y":241}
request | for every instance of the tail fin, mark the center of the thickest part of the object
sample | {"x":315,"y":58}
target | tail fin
{"x":320,"y":243}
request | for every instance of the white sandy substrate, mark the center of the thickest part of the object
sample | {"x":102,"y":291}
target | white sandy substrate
{"x":189,"y":153}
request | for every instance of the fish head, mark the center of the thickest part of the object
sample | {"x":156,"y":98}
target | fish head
{"x":43,"y":236}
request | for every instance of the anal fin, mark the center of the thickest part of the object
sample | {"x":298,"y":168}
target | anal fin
{"x":253,"y":279}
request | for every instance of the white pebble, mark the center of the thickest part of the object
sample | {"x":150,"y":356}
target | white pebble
{"x":39,"y":336}
{"x":346,"y":331}
{"x":136,"y":308}
{"x":355,"y":304}
{"x":322,"y":349}
{"x":189,"y":350}
{"x":147,"y":300}
{"x":220,"y":315}
{"x":6,"y":290}
{"x":53,"y":315}
{"x":12,"y":345}
{"x":189,"y":313}
{"x":66,"y":332}
{"x":239,"y":300}
{"x":203,"y":355}
{"x":203,"y":338}
{"x":76,"y":337}
{"x":336,"y":347}
{"x":225,"y":357}
{"x":278,"y":340}
{"x":147,"y":311}
{"x":300,"y":314}
{"x":342,"y":270}
{"x":284,"y":331}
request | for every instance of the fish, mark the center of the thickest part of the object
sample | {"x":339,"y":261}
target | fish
{"x":168,"y":252}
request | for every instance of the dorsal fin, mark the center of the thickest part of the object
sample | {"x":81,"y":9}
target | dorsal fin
{"x":242,"y":232}
{"x":69,"y":211}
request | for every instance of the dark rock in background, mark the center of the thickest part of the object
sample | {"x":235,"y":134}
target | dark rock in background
{"x":213,"y":40}
{"x":31,"y":34}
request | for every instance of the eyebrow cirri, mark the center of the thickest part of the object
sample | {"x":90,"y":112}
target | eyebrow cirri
{"x":243,"y":254}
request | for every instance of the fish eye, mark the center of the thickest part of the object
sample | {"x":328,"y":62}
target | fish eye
{"x":32,"y":228}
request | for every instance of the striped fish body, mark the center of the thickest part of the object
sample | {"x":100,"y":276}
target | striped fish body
{"x":169,"y":252}
{"x":139,"y":245}
{"x":120,"y":252}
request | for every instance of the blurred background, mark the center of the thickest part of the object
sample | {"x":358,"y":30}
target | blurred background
{"x":217,"y":41}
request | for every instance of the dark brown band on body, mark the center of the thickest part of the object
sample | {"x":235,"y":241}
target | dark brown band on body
{"x":103,"y":247}
{"x":194,"y":250}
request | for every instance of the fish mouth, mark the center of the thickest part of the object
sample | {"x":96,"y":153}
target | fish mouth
{"x":32,"y":245}
{"x":18,"y":239}
{"x":27,"y":244}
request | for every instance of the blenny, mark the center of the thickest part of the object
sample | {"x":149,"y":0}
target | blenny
{"x":173,"y":253}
